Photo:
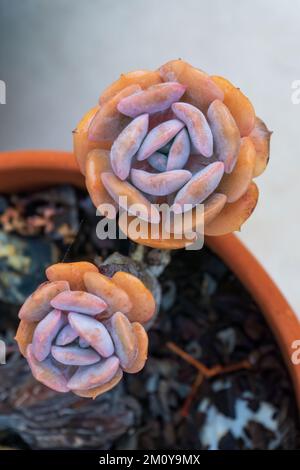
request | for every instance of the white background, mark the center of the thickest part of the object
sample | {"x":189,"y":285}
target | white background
{"x":57,"y":55}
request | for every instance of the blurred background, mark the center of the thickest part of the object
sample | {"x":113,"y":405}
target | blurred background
{"x":56,"y":56}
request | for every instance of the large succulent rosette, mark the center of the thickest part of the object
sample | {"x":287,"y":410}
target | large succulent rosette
{"x":174,"y":135}
{"x":81,"y":330}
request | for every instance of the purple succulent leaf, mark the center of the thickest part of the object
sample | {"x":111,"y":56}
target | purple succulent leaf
{"x":87,"y":377}
{"x":79,"y":301}
{"x":74,"y":355}
{"x":45,"y":333}
{"x":158,"y":137}
{"x":93,"y":332}
{"x":155,"y":99}
{"x":66,"y":335}
{"x":46,"y":372}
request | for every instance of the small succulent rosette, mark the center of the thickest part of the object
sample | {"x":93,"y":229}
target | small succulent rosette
{"x":81,"y":330}
{"x":177,"y":136}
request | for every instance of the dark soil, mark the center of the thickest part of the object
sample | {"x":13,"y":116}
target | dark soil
{"x":205,"y":311}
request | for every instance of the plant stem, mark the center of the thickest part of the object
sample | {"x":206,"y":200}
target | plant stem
{"x":203,"y":373}
{"x":208,"y":372}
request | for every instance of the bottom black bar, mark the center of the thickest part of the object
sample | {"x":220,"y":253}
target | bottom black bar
{"x":138,"y":459}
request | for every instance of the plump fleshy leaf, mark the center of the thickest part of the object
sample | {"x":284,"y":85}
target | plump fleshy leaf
{"x":115,"y":297}
{"x":226,"y":134}
{"x":74,"y":355}
{"x":79,"y":301}
{"x":109,"y":122}
{"x":142,"y":349}
{"x":143,"y":303}
{"x":199,"y":130}
{"x":46,"y":372}
{"x":193,"y":222}
{"x":82,"y":145}
{"x":238,"y":104}
{"x":158,"y":137}
{"x":143,"y":78}
{"x":88,"y":377}
{"x":24,"y":335}
{"x":199,"y":187}
{"x":124,"y":339}
{"x":136,"y":202}
{"x":45,"y":332}
{"x":97,"y":162}
{"x":66,"y":335}
{"x":159,"y":184}
{"x":38,"y":304}
{"x":71,"y":272}
{"x":155,"y":99}
{"x":158,"y":161}
{"x":96,"y":391}
{"x":201,"y":90}
{"x":144,"y":235}
{"x":213,"y":206}
{"x":235,"y":184}
{"x":127,"y":144}
{"x":179,"y":151}
{"x":93,"y":332}
{"x":233,"y":215}
{"x":260,"y":136}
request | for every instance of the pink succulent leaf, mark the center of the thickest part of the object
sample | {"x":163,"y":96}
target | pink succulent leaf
{"x":78,"y":301}
{"x":45,"y":333}
{"x":46,"y":372}
{"x":93,"y":376}
{"x":66,"y":335}
{"x":74,"y":355}
{"x":158,"y":137}
{"x":94,"y":332}
{"x":155,"y":99}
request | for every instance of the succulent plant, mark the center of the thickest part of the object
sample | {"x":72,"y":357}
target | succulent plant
{"x":177,"y":136}
{"x":81,"y":330}
{"x":174,"y":135}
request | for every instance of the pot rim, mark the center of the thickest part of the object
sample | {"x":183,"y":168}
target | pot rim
{"x":35,"y":169}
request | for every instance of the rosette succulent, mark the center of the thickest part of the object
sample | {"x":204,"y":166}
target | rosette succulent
{"x":81,"y":330}
{"x":174,"y":135}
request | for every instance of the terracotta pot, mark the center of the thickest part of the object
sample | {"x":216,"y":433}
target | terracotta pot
{"x":21,"y":170}
{"x":36,"y":169}
{"x":277,"y":312}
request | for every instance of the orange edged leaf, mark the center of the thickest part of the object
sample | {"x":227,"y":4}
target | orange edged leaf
{"x":236,"y":183}
{"x":108,"y":121}
{"x":95,"y":392}
{"x":132,"y":197}
{"x":238,"y":104}
{"x":143,"y":303}
{"x":71,"y":272}
{"x":233,"y":215}
{"x":24,"y":335}
{"x":143,"y":78}
{"x":213,"y":206}
{"x":142,"y":349}
{"x":201,"y":89}
{"x":260,"y":137}
{"x":38,"y":304}
{"x":82,"y":145}
{"x":102,"y":286}
{"x":141,"y":232}
{"x":97,"y":162}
